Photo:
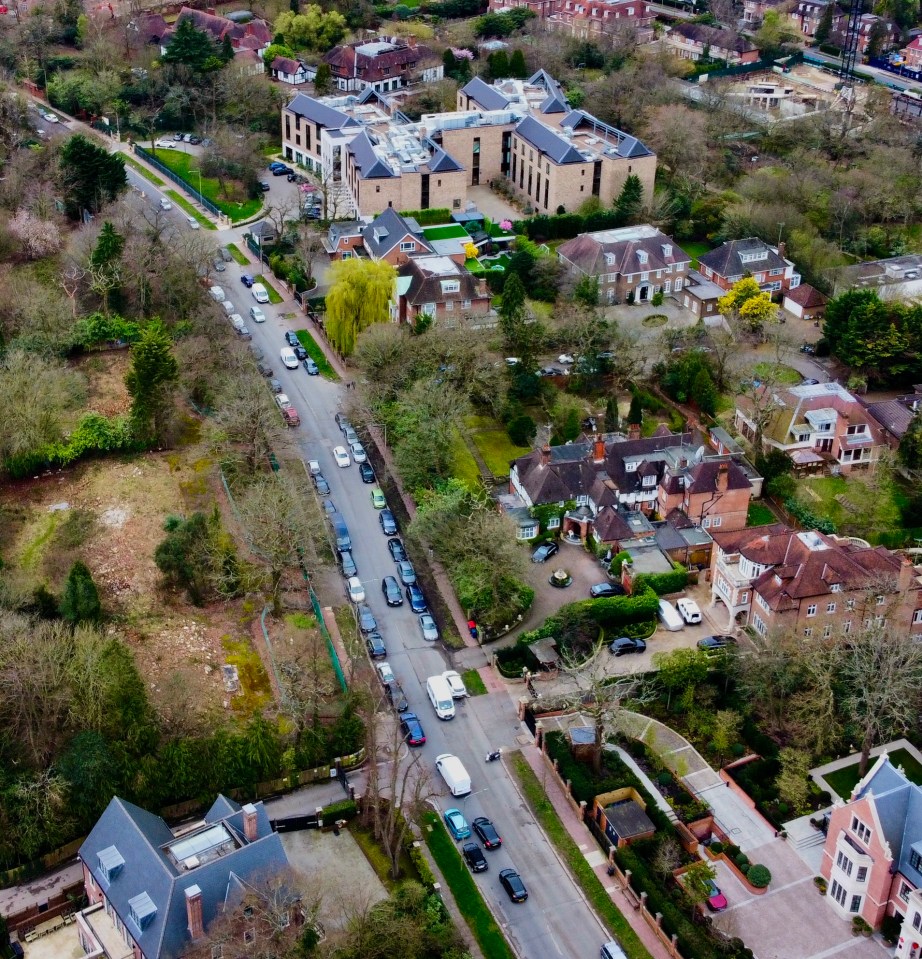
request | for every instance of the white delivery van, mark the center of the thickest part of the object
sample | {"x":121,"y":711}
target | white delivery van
{"x":454,"y":774}
{"x":669,"y":616}
{"x":612,"y":950}
{"x":441,"y":697}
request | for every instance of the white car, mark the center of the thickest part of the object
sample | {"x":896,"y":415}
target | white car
{"x":313,"y":467}
{"x":165,"y":145}
{"x":341,"y":457}
{"x":565,"y":358}
{"x":236,"y":321}
{"x":228,"y":307}
{"x":288,"y":358}
{"x":512,"y":361}
{"x":165,"y":204}
{"x":260,"y":293}
{"x":456,"y":683}
{"x":358,"y":453}
{"x":192,"y":222}
{"x":385,"y":673}
{"x":257,"y":315}
{"x":50,"y":117}
{"x":217,"y":294}
{"x":688,"y":610}
{"x":355,"y":589}
{"x":283,"y":402}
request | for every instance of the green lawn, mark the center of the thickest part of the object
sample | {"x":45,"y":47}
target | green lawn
{"x":474,"y":684}
{"x":695,"y":249}
{"x":497,"y":449}
{"x":133,"y":163}
{"x":474,"y":266}
{"x":759,"y":515}
{"x":182,"y":163}
{"x":843,"y":781}
{"x":318,"y":356}
{"x":463,"y":466}
{"x":785,"y":375}
{"x":236,"y":253}
{"x":184,"y":204}
{"x":270,"y":289}
{"x":572,"y":855}
{"x":447,"y":232}
{"x":864,"y":511}
{"x":482,"y":924}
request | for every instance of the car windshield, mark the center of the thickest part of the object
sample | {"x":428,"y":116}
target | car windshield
{"x":444,"y":704}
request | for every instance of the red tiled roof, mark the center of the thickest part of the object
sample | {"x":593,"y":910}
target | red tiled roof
{"x":806,"y":296}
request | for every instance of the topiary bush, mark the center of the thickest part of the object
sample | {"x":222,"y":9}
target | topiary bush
{"x":741,"y":860}
{"x":716,"y":847}
{"x":759,"y":876}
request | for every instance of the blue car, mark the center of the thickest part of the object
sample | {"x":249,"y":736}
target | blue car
{"x":247,"y":280}
{"x":416,"y":599}
{"x":457,"y":825}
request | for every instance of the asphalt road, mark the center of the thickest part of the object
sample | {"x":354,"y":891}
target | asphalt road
{"x":555,"y":922}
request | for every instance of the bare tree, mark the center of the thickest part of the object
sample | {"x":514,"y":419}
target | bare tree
{"x":246,"y":425}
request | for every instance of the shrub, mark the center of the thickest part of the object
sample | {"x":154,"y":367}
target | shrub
{"x":344,"y":809}
{"x":663,"y":583}
{"x":716,"y":847}
{"x":759,"y":875}
{"x":522,"y":430}
{"x":741,"y":860}
{"x":80,"y":601}
{"x":890,"y":927}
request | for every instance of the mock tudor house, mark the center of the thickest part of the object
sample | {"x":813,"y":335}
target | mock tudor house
{"x":294,"y":72}
{"x":754,"y":10}
{"x":896,"y":278}
{"x":438,"y":287}
{"x":248,"y":39}
{"x":818,"y":426}
{"x":811,"y":584}
{"x":872,"y":857}
{"x":733,"y":260}
{"x":695,"y":41}
{"x":345,"y":239}
{"x":611,"y":478}
{"x":632,"y":263}
{"x":384,"y":64}
{"x":153,"y":892}
{"x":805,"y":302}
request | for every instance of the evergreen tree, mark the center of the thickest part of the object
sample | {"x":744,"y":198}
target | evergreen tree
{"x":150,"y":382}
{"x":498,"y":65}
{"x":611,"y":415}
{"x":635,"y":413}
{"x":630,"y":200}
{"x":190,"y":47}
{"x":90,"y":175}
{"x":517,"y":66}
{"x":910,"y":451}
{"x":80,"y":601}
{"x":323,"y":81}
{"x":877,"y":39}
{"x":227,"y":49}
{"x":824,"y":27}
{"x":704,"y":393}
{"x":512,"y":303}
{"x":294,"y":6}
{"x":109,"y":247}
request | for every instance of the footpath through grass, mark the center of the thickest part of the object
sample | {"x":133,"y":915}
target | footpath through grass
{"x":317,"y":355}
{"x":588,"y":881}
{"x":466,"y":894}
{"x":184,"y":204}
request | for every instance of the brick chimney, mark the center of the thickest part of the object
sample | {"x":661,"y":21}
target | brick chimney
{"x":633,"y":431}
{"x":782,"y":248}
{"x":598,"y":449}
{"x":545,"y":455}
{"x":249,"y":822}
{"x":411,"y":42}
{"x":194,"y":912}
{"x":723,"y":477}
{"x":907,"y":572}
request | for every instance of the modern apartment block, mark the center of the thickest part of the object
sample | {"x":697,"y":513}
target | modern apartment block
{"x":523,"y":130}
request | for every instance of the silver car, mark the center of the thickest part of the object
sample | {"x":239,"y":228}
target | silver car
{"x":428,"y":628}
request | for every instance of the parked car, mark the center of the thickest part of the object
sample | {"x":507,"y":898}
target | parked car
{"x":688,"y":610}
{"x":416,"y":599}
{"x":487,"y":833}
{"x":282,"y":401}
{"x":341,"y":457}
{"x":275,"y":386}
{"x":428,"y":627}
{"x":291,"y":418}
{"x":456,"y":683}
{"x":323,"y":487}
{"x":388,"y":522}
{"x":165,"y":204}
{"x":456,"y":824}
{"x":346,"y":562}
{"x":511,"y":881}
{"x":391,"y":590}
{"x":225,"y":254}
{"x":243,"y":332}
{"x":351,"y":435}
{"x":219,"y":265}
{"x":396,"y":696}
{"x":626,"y":644}
{"x":474,"y":857}
{"x":669,"y":616}
{"x":412,"y":729}
{"x":367,"y":621}
{"x":374,"y":642}
{"x":257,"y":315}
{"x":719,"y":641}
{"x":165,"y":144}
{"x":291,"y":338}
{"x":281,"y":170}
{"x":605,"y":590}
{"x":260,"y":293}
{"x":193,"y":223}
{"x":385,"y":673}
{"x":406,"y":572}
{"x":289,"y":359}
{"x":397,"y":550}
{"x":311,"y":367}
{"x":264,"y":370}
{"x":366,"y":472}
{"x":544,"y":552}
{"x":247,"y":280}
{"x":358,"y":453}
{"x":355,"y":589}
{"x":565,"y":358}
{"x":217,"y":294}
{"x":313,"y":467}
{"x":716,"y":901}
{"x":377,"y":498}
{"x":342,"y":421}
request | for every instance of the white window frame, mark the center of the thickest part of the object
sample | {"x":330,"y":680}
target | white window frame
{"x":407,"y":246}
{"x":811,"y":609}
{"x":830,"y":607}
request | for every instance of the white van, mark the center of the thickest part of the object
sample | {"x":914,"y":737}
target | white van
{"x":454,"y":774}
{"x":612,"y":950}
{"x":669,"y":616}
{"x":440,"y":696}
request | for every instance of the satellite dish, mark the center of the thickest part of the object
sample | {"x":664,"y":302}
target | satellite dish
{"x":699,"y":454}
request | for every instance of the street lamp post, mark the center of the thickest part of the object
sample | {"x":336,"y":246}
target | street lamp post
{"x":197,"y":170}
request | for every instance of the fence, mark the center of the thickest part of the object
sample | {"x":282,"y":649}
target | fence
{"x":334,"y":656}
{"x":179,"y":181}
{"x":743,"y":68}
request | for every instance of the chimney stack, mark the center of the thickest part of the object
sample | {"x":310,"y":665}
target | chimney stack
{"x":782,"y":248}
{"x":907,"y":572}
{"x":598,"y":449}
{"x":249,"y":822}
{"x":412,"y":42}
{"x":633,"y":431}
{"x":723,"y":477}
{"x":545,"y":455}
{"x":194,"y":912}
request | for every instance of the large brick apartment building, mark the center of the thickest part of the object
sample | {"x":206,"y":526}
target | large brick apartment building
{"x":586,"y":19}
{"x":523,"y":130}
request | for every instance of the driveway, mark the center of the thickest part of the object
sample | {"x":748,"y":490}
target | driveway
{"x":492,"y":204}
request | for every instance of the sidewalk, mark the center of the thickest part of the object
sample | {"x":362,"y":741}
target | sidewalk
{"x":593,"y":855}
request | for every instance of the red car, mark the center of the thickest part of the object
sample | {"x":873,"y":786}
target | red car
{"x":717,"y":901}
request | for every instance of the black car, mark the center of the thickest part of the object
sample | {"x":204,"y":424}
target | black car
{"x":291,"y":338}
{"x":416,"y":598}
{"x":398,"y":553}
{"x":247,"y":280}
{"x":604,"y":590}
{"x":311,"y":367}
{"x":412,"y":729}
{"x":391,"y":591}
{"x":475,"y":857}
{"x":264,"y":369}
{"x":543,"y":553}
{"x":367,"y":621}
{"x":323,"y":487}
{"x":511,"y":881}
{"x":347,"y":564}
{"x":487,"y":833}
{"x":387,"y":521}
{"x":276,"y":165}
{"x":396,"y":696}
{"x":281,"y":170}
{"x":625,"y":644}
{"x":366,"y":472}
{"x":329,"y":507}
{"x":375,"y":643}
{"x":720,"y":641}
{"x":264,"y":187}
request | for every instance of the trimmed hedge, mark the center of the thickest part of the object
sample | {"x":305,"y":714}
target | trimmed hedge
{"x":664,"y":583}
{"x":759,"y":876}
{"x":567,"y":225}
{"x":807,"y":518}
{"x":426,"y":875}
{"x":344,"y":809}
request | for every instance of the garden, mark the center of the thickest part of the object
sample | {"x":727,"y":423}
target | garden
{"x":844,"y":780}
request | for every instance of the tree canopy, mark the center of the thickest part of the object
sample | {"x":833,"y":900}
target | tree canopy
{"x":748,"y":305}
{"x":312,"y":29}
{"x":91,"y":176}
{"x":360,"y":295}
{"x":194,"y":48}
{"x":150,"y":382}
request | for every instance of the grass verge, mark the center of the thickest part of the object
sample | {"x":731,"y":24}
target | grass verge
{"x":270,"y":289}
{"x":473,"y":683}
{"x":463,"y":466}
{"x":184,"y":204}
{"x":844,"y":780}
{"x":317,"y":355}
{"x":479,"y":918}
{"x":377,"y":858}
{"x":785,"y":375}
{"x":497,"y":450}
{"x":588,"y":881}
{"x":237,"y":255}
{"x":759,"y":515}
{"x":133,"y":163}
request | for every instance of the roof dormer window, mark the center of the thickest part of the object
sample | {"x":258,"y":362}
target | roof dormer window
{"x":667,"y":249}
{"x":641,"y":256}
{"x":610,"y":259}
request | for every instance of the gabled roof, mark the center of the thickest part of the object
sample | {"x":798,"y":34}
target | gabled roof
{"x":726,"y":259}
{"x":441,"y":162}
{"x":485,"y":96}
{"x":387,"y":230}
{"x":286,"y":65}
{"x":548,"y":141}
{"x":427,"y":276}
{"x":318,"y":112}
{"x":806,"y":296}
{"x":619,"y":251}
{"x":369,"y":164}
{"x":130,"y":854}
{"x":713,"y":37}
{"x":623,"y":144}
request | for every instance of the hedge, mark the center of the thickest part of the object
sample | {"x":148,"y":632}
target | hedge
{"x":426,"y":875}
{"x":344,"y":809}
{"x":664,"y":583}
{"x":433,"y":217}
{"x":807,"y":518}
{"x":564,"y":226}
{"x":759,"y":876}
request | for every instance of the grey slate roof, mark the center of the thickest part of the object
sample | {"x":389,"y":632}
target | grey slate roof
{"x":627,"y":146}
{"x":387,"y":230}
{"x":441,"y":162}
{"x":725,"y":260}
{"x":549,"y":142}
{"x":894,"y":415}
{"x":141,"y":837}
{"x":318,"y":112}
{"x":370,"y":165}
{"x":483,"y":94}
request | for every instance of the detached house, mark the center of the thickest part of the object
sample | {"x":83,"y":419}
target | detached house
{"x":733,"y":260}
{"x":811,"y":584}
{"x":630,"y":264}
{"x":293,"y":72}
{"x":872,"y":858}
{"x":249,"y":38}
{"x":808,"y":14}
{"x":153,"y":892}
{"x":694,"y":41}
{"x":818,"y":426}
{"x":912,"y":54}
{"x":394,"y":238}
{"x":440,"y":288}
{"x":384,"y":64}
